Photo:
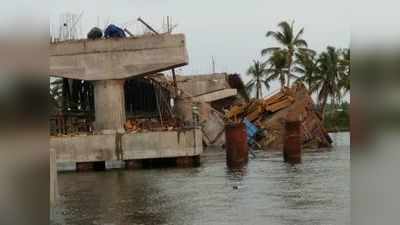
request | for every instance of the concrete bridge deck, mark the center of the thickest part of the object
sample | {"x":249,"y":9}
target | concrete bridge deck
{"x":119,"y":58}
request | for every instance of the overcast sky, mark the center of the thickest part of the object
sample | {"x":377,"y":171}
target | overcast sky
{"x":231,"y":31}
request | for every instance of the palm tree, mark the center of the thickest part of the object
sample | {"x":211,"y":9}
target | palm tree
{"x":306,"y":64}
{"x":289,"y":41}
{"x":327,"y":79}
{"x":344,"y":79}
{"x":278,"y":67}
{"x":258,"y":72}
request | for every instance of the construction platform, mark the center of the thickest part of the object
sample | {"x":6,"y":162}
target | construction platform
{"x":120,"y":150}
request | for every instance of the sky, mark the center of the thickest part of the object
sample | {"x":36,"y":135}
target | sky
{"x":231,"y":31}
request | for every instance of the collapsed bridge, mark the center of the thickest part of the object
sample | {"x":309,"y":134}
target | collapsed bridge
{"x":107,"y":64}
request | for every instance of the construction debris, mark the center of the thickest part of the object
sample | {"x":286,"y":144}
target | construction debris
{"x":147,"y":25}
{"x":144,"y":125}
{"x":270,"y":114}
{"x":214,"y":93}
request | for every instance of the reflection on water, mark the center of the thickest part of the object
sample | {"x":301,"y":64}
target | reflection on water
{"x":268,"y":191}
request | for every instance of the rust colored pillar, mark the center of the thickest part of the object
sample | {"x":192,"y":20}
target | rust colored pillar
{"x":292,"y":142}
{"x":237,"y":153}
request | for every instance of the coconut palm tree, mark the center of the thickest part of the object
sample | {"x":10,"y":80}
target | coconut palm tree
{"x":327,"y":80}
{"x":344,"y":80}
{"x":306,"y":64}
{"x":278,"y":67}
{"x":289,"y":41}
{"x":257,"y":71}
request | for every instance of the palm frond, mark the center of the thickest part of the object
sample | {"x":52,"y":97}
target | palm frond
{"x":300,"y":43}
{"x":299,"y":34}
{"x":298,"y":69}
{"x":291,"y":75}
{"x":274,"y":74}
{"x":307,"y":51}
{"x":267,"y":51}
{"x":287,"y":31}
{"x":250,"y":84}
{"x":266,"y":84}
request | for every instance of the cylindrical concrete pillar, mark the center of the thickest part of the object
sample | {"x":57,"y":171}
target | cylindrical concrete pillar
{"x":183,"y":109}
{"x":292,"y":142}
{"x":187,"y":110}
{"x":237,"y":153}
{"x":109,"y":105}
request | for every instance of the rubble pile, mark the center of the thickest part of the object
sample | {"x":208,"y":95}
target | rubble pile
{"x":213,"y":93}
{"x":270,"y":114}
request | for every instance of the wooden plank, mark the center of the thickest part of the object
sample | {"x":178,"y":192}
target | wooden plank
{"x":278,"y":106}
{"x":255,"y":114}
{"x":234,"y":111}
{"x":274,"y":98}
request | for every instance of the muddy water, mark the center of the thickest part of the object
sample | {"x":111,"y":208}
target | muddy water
{"x":268,"y":191}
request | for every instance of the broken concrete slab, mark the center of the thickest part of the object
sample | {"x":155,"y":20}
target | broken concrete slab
{"x":196,"y":85}
{"x":213,"y":125}
{"x":210,"y":120}
{"x":216,"y":95}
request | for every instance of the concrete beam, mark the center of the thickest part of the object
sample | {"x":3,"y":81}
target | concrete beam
{"x":216,"y":95}
{"x":196,"y":85}
{"x":117,"y":58}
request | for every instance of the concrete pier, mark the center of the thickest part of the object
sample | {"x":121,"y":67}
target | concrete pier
{"x":78,"y":150}
{"x":292,"y":142}
{"x":108,"y":63}
{"x":237,"y":152}
{"x":109,"y":105}
{"x":184,"y":109}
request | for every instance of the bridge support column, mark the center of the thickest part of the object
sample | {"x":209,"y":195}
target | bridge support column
{"x":109,"y":105}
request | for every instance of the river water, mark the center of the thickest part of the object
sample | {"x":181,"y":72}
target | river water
{"x":268,"y":191}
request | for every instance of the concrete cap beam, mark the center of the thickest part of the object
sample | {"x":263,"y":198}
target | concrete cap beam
{"x":120,"y":58}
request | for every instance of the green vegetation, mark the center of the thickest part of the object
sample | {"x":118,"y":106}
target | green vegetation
{"x":291,"y":43}
{"x":337,"y":117}
{"x":327,"y":74}
{"x":257,"y":71}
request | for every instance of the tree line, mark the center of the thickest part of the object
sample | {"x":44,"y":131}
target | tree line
{"x":326,"y":74}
